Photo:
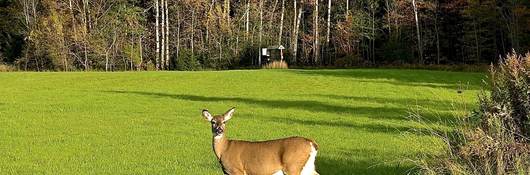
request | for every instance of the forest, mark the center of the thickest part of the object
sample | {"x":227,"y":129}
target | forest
{"x":126,"y":35}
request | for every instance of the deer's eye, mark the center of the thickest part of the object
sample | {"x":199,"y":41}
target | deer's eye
{"x":213,"y":123}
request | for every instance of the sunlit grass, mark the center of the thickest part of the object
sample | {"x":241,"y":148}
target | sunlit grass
{"x":150,"y":122}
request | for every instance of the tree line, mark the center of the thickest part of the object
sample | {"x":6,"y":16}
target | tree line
{"x":73,"y":35}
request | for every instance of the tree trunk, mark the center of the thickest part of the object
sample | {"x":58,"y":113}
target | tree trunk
{"x":347,"y":7}
{"x":89,"y":15}
{"x":227,"y":10}
{"x":260,"y":29}
{"x":106,"y":61}
{"x":295,"y":40}
{"x":131,"y":64}
{"x":192,"y":39}
{"x":436,"y":29}
{"x":86,"y":57}
{"x":167,"y":36}
{"x":178,"y":37}
{"x":163,"y":42}
{"x":26,"y":12}
{"x":220,"y":50}
{"x":281,"y":23}
{"x":247,"y":21}
{"x":372,"y":46}
{"x":293,"y":32}
{"x":294,"y":19}
{"x":141,"y":65}
{"x":418,"y":35}
{"x":388,"y":21}
{"x":157,"y":52}
{"x":272,"y":17}
{"x":85,"y":33}
{"x":329,"y":22}
{"x":73,"y":27}
{"x":316,"y":49}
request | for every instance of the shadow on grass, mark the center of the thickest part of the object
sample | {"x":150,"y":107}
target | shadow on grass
{"x":313,"y":106}
{"x":441,"y":107}
{"x":369,"y":127}
{"x":328,"y":165}
{"x":423,"y":78}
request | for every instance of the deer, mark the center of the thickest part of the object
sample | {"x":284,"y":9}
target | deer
{"x":292,"y":155}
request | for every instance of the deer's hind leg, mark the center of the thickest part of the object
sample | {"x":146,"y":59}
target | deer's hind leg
{"x":279,"y":173}
{"x":293,"y":170}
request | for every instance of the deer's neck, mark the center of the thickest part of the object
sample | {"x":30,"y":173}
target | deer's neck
{"x":220,"y":143}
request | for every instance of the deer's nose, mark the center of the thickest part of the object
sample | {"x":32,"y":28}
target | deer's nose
{"x":218,"y":130}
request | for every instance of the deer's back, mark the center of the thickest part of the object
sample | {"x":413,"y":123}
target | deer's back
{"x":267,"y":157}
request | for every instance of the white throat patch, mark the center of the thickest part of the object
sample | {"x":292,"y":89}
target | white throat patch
{"x":218,"y":136}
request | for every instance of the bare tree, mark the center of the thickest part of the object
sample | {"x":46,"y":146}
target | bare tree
{"x":329,"y":21}
{"x":163,"y":42}
{"x":272,"y":17}
{"x":114,"y":38}
{"x":316,"y":48}
{"x":192,"y":39}
{"x":260,"y":29}
{"x":293,"y":32}
{"x":373,"y":8}
{"x":157,"y":13}
{"x":247,"y":20}
{"x":296,"y":31}
{"x":141,"y":64}
{"x":281,"y":23}
{"x":85,"y":33}
{"x":178,"y":35}
{"x":167,"y":36}
{"x":437,"y":31}
{"x":418,"y":34}
{"x":70,"y":7}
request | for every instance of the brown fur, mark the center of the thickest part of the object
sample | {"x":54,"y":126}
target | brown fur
{"x":264,"y":157}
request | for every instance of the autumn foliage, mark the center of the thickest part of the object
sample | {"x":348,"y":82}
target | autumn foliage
{"x":495,"y":139}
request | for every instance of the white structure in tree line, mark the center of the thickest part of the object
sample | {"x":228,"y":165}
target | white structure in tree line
{"x":270,"y":54}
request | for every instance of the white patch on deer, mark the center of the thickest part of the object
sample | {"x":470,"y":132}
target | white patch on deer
{"x":309,"y":168}
{"x":278,"y":173}
{"x":218,"y":136}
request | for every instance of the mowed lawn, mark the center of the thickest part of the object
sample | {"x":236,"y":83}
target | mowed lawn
{"x":150,"y":122}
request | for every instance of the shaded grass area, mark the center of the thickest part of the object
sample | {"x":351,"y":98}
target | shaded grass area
{"x":150,"y":123}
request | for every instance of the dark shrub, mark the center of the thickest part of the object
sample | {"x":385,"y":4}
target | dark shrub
{"x":187,"y":61}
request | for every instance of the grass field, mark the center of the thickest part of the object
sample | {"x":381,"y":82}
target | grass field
{"x":150,"y":122}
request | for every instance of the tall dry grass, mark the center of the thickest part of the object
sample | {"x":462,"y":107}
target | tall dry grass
{"x":276,"y":65}
{"x":495,"y":138}
{"x":6,"y":68}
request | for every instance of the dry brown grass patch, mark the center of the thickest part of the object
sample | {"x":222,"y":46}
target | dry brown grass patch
{"x":276,"y":65}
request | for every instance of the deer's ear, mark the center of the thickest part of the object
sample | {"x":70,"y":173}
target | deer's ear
{"x":229,"y":113}
{"x":207,"y":115}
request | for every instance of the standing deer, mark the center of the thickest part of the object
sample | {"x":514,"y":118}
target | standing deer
{"x":293,"y":155}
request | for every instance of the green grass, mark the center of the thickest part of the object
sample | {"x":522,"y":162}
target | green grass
{"x":150,"y":122}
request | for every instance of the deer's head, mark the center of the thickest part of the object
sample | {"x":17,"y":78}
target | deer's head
{"x":218,"y":121}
